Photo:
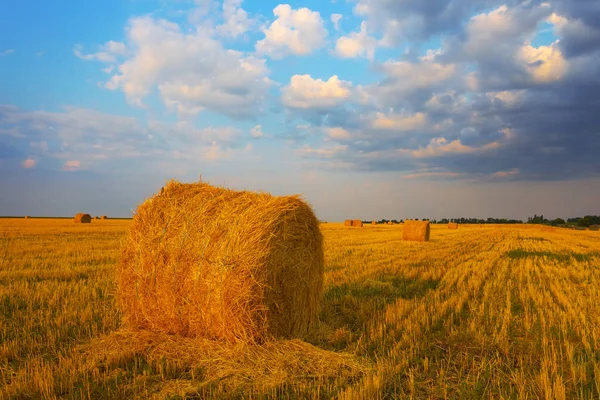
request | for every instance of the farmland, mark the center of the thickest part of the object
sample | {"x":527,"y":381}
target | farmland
{"x":481,"y":311}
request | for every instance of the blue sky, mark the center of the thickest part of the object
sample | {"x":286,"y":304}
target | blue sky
{"x":369,"y":108}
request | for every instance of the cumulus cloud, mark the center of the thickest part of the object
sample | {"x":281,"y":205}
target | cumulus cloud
{"x":191,"y":70}
{"x":305,"y":92}
{"x":494,"y":99}
{"x":28,"y":163}
{"x":297,"y":32}
{"x":415,"y":20}
{"x":544,"y":63}
{"x":236,"y":20}
{"x":357,"y":44}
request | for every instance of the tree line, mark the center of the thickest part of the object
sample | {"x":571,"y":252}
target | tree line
{"x":586,"y":222}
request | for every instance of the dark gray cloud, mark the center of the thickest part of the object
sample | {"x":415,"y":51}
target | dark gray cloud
{"x":496,"y":107}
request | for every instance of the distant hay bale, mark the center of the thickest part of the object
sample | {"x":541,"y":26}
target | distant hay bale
{"x":417,"y":231}
{"x":27,"y":217}
{"x":348,"y":222}
{"x":204,"y":261}
{"x":104,"y":217}
{"x":452,"y":225}
{"x":373,"y":222}
{"x":390,"y":223}
{"x":357,"y":223}
{"x":82,"y":218}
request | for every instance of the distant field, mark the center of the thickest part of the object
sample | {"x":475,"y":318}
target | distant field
{"x":478,"y":312}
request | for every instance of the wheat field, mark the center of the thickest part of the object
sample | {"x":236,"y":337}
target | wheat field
{"x":497,"y":312}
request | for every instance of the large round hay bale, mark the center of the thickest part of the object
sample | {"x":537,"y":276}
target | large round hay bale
{"x":357,"y":222}
{"x":204,"y":261}
{"x":82,"y":218}
{"x":452,"y":225}
{"x":348,"y":222}
{"x":417,"y":231}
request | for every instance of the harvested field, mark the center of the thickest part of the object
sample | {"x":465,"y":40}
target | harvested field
{"x":492,"y":312}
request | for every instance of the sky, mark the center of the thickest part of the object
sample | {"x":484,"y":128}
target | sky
{"x":367,"y":108}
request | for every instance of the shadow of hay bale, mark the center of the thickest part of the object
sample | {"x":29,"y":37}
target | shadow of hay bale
{"x":231,"y":366}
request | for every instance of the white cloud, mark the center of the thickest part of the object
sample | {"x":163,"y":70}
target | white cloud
{"x":71,"y":165}
{"x":426,"y":174}
{"x":191,"y":70}
{"x":298,"y":32}
{"x":508,"y":97}
{"x":323,"y":152}
{"x":337,"y":133}
{"x":256,"y":132}
{"x":6,"y":52}
{"x":96,"y":139}
{"x":335,"y":18}
{"x":506,"y":174}
{"x":108,"y":52}
{"x":544,"y":63}
{"x":419,"y":75}
{"x":304,"y":92}
{"x":402,"y":123}
{"x":28,"y":163}
{"x":403,"y":78}
{"x":236,"y":19}
{"x":441,"y":146}
{"x":357,"y":44}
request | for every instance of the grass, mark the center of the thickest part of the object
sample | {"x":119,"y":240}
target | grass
{"x":494,"y":312}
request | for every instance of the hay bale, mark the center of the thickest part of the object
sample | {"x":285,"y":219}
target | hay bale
{"x":204,"y":261}
{"x":82,"y":218}
{"x":417,"y":231}
{"x":452,"y":225}
{"x":104,"y":217}
{"x":373,"y":222}
{"x":27,"y":217}
{"x":348,"y":222}
{"x":390,"y":223}
{"x":357,"y":223}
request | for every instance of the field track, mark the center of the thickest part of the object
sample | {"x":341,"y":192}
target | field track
{"x":479,"y":312}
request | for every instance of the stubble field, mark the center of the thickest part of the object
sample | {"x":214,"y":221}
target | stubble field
{"x":507,"y":312}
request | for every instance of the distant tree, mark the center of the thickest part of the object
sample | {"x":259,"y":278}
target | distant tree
{"x":557,"y":221}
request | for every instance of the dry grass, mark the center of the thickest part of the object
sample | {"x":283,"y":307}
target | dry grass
{"x":495,"y":312}
{"x":416,"y":231}
{"x":204,"y":261}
